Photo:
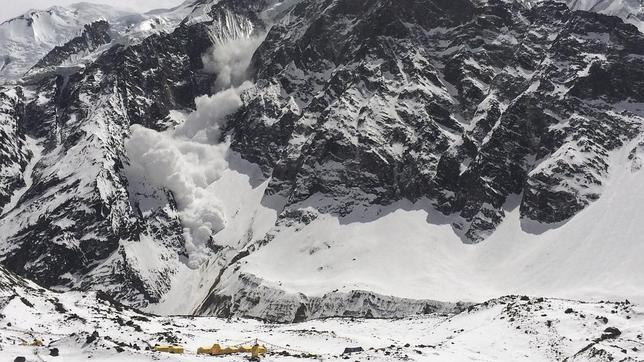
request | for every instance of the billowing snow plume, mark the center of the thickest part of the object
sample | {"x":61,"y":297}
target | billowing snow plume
{"x":204,"y":124}
{"x":190,"y":158}
{"x":230,"y":61}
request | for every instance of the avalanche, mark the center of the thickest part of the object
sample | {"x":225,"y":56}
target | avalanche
{"x":187,"y":161}
{"x":477,"y":166}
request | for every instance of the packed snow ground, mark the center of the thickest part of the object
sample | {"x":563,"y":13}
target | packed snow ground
{"x":514,"y":328}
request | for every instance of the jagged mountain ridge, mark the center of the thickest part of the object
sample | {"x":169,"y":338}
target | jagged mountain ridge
{"x":631,"y":11}
{"x":466,"y":108}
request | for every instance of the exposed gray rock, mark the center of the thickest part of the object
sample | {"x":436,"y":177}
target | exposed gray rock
{"x":14,"y":154}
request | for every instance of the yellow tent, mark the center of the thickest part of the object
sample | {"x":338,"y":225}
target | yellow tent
{"x":258,"y":350}
{"x":35,"y":343}
{"x":218,"y":350}
{"x":169,"y":349}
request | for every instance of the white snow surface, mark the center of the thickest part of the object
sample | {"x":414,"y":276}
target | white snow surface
{"x":505,"y":329}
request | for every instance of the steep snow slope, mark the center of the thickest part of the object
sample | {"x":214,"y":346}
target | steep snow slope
{"x":137,"y":27}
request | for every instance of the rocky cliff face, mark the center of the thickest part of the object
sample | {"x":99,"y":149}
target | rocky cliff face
{"x":72,"y":225}
{"x":632,"y":11}
{"x":488,"y":101}
{"x":468,"y":105}
{"x":14,"y":153}
{"x":94,"y":35}
{"x":475,"y":106}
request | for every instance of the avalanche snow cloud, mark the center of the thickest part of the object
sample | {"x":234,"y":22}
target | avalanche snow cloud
{"x":190,"y":158}
{"x":230,"y":60}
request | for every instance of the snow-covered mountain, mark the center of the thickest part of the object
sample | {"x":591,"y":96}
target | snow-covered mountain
{"x":26,"y":39}
{"x":314,"y":158}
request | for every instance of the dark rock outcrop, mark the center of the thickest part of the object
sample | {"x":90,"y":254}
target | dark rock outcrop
{"x":93,"y":36}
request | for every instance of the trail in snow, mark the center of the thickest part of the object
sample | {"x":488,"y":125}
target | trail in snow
{"x":36,"y":149}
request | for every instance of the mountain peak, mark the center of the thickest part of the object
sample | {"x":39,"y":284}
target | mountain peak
{"x":27,"y":38}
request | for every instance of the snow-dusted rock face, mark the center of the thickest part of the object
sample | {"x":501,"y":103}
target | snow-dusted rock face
{"x":93,"y":36}
{"x":464,"y":106}
{"x":14,"y":154}
{"x":325,"y":125}
{"x":632,"y":11}
{"x":82,"y":223}
{"x":470,"y":106}
{"x":75,"y":224}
